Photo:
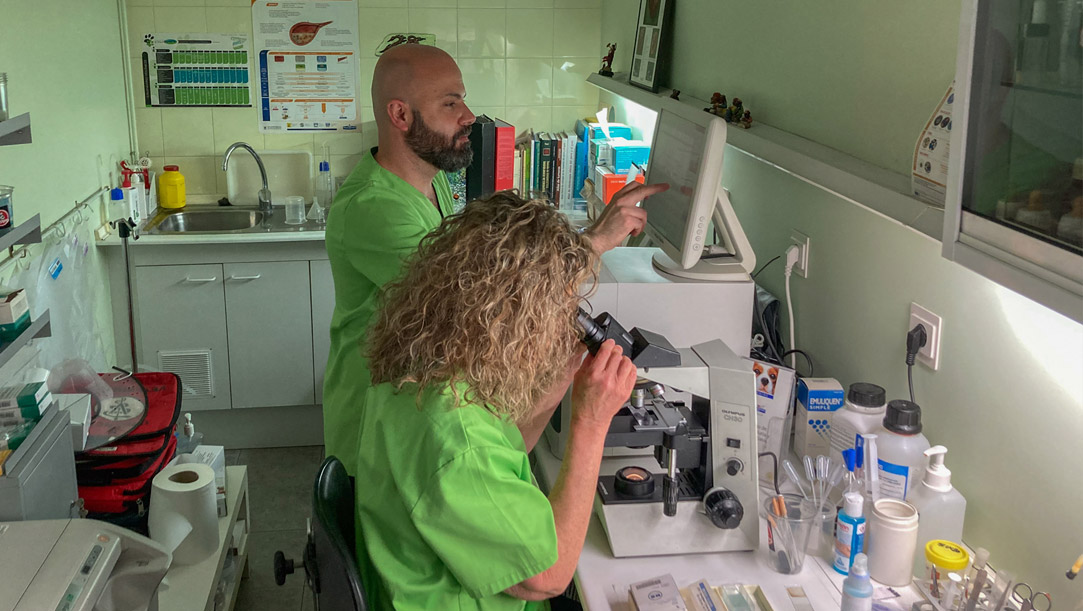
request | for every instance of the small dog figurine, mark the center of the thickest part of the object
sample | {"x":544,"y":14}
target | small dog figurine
{"x":676,"y":95}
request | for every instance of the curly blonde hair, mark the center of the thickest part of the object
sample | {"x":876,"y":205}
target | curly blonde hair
{"x":489,"y":299}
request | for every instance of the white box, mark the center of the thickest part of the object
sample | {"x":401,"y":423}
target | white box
{"x":658,"y":594}
{"x":774,"y":398}
{"x":817,"y":400}
{"x":78,"y":406}
{"x":215,"y":458}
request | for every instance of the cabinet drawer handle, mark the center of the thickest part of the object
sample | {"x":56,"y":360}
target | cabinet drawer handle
{"x":191,"y":279}
{"x":256,"y":277}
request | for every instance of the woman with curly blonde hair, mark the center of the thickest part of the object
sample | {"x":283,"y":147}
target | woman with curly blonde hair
{"x":470,"y":353}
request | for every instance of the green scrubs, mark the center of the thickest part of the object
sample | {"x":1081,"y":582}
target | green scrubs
{"x":448,"y":515}
{"x":376,"y":221}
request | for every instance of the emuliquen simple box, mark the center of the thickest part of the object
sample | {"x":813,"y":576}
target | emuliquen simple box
{"x":817,"y":400}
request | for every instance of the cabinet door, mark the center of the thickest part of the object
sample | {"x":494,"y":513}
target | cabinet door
{"x":323,"y":306}
{"x":269,"y":317}
{"x":182,"y":329}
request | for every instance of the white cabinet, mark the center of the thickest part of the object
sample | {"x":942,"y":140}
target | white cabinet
{"x":182,"y":328}
{"x":269,"y":325}
{"x":323,"y":306}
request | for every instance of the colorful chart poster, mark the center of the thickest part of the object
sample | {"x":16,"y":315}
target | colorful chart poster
{"x":307,"y":55}
{"x":196,"y":69}
{"x":929,"y":176}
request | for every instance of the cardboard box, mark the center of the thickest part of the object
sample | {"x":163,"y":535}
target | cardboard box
{"x":607,"y":182}
{"x":659,"y":594}
{"x":774,"y":412}
{"x":616,"y":130}
{"x":13,"y":306}
{"x":78,"y":406}
{"x":817,"y":401}
{"x":619,"y":154}
{"x":32,"y":396}
{"x":215,"y":458}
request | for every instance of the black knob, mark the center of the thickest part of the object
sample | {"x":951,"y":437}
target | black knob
{"x":734,"y":466}
{"x":723,"y":508}
{"x":283,"y":567}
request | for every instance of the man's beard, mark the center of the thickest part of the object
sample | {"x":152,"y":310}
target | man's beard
{"x":436,"y":149}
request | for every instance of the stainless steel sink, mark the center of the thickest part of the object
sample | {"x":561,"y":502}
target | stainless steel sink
{"x":205,"y":221}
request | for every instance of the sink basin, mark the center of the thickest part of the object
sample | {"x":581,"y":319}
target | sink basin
{"x":207,"y":221}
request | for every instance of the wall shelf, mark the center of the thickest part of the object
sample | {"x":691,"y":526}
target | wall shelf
{"x":878,"y":189}
{"x":15,"y":130}
{"x":23,"y":233}
{"x":37,"y":329}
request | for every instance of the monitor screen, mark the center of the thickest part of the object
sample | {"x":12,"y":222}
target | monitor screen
{"x":676,"y":157}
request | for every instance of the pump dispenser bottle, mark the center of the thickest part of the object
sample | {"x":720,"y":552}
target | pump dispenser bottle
{"x":941,"y":507}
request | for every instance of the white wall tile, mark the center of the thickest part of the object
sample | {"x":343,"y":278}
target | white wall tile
{"x":148,"y":128}
{"x":376,"y":23}
{"x":432,"y":3}
{"x":187,"y":132}
{"x":530,"y":82}
{"x":289,"y":142}
{"x":199,"y":174}
{"x":564,"y":117}
{"x":132,"y":3}
{"x":530,"y":32}
{"x":484,"y":80}
{"x":344,"y":143}
{"x":236,"y":125}
{"x":493,"y":112}
{"x":481,"y":33}
{"x":235,"y":3}
{"x":482,"y":3}
{"x":530,"y":3}
{"x":169,"y":3}
{"x":140,"y":23}
{"x":578,"y":33}
{"x":538,"y":118}
{"x":180,"y":19}
{"x":382,"y":3}
{"x":230,"y":20}
{"x":583,"y":4}
{"x":343,"y":165}
{"x":570,"y":86}
{"x":368,"y":64}
{"x":441,"y":22}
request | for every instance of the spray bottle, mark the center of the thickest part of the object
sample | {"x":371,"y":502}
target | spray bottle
{"x":940,"y":506}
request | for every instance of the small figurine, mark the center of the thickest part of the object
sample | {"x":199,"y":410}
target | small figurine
{"x":607,"y":61}
{"x":718,"y":104}
{"x":734,"y":112}
{"x":676,"y":94}
{"x":746,"y":120}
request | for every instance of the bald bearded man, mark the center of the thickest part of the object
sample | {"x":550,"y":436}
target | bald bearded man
{"x":395,"y":196}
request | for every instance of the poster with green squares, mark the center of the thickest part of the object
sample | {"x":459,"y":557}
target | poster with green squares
{"x":196,"y":69}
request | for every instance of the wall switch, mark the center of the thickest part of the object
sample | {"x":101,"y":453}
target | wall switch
{"x":930,"y":352}
{"x":802,"y":241}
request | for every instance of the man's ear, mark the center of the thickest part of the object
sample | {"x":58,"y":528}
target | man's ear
{"x":400,"y":114}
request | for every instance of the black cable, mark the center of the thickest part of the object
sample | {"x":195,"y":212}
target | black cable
{"x":910,"y":379}
{"x":808,"y":359}
{"x":915,"y":340}
{"x":764,"y":266}
{"x":774,"y":459}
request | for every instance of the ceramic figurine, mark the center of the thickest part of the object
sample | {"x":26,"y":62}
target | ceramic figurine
{"x":607,"y":61}
{"x":676,"y":94}
{"x":718,"y":104}
{"x":735,"y":111}
{"x":746,"y":120}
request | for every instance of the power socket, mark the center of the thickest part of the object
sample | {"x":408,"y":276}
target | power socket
{"x":930,"y":352}
{"x":802,"y":241}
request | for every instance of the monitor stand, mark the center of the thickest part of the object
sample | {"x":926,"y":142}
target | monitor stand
{"x":733,"y":260}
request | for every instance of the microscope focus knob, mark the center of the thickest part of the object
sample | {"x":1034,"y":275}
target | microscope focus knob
{"x":734,"y":466}
{"x":723,"y":508}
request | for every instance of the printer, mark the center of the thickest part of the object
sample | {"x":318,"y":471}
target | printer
{"x":78,"y":565}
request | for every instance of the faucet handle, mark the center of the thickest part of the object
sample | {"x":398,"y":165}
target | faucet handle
{"x":264,"y":199}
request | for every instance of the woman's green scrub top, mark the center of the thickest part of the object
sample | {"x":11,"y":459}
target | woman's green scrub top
{"x":448,"y":514}
{"x":376,"y":221}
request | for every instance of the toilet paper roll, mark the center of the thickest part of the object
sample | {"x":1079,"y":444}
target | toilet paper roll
{"x":183,"y":516}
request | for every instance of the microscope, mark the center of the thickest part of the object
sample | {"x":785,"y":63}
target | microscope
{"x":707,"y":449}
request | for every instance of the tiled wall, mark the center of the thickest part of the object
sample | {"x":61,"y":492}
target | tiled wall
{"x":525,"y":61}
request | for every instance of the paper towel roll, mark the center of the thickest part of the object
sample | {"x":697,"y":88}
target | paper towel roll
{"x":183,"y":516}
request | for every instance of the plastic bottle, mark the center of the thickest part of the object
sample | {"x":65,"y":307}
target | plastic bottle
{"x":325,"y":185}
{"x":862,"y":413}
{"x":857,"y":587}
{"x":171,"y":188}
{"x":901,"y":449}
{"x":117,"y":207}
{"x":849,"y":532}
{"x":941,"y":507}
{"x":140,"y":190}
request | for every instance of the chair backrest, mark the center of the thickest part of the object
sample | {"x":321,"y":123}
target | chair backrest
{"x":338,"y":584}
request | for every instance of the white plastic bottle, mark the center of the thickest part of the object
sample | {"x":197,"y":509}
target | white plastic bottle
{"x":862,"y":413}
{"x":901,"y":460}
{"x":941,"y":508}
{"x":857,"y":587}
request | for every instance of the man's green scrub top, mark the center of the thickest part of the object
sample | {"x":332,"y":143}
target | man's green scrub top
{"x":376,"y":221}
{"x":448,"y":515}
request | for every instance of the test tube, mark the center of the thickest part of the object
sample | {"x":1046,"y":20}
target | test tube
{"x":3,"y":96}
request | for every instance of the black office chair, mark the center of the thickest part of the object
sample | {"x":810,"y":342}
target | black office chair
{"x":329,"y":557}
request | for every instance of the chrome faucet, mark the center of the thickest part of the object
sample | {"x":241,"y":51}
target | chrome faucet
{"x":264,"y":194}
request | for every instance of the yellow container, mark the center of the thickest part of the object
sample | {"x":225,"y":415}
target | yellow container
{"x":171,"y":188}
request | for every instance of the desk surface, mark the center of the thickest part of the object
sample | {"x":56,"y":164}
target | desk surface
{"x":603,"y":580}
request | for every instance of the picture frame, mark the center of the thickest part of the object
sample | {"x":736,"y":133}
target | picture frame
{"x":651,"y":50}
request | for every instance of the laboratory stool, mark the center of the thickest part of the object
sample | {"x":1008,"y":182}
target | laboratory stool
{"x":329,"y":561}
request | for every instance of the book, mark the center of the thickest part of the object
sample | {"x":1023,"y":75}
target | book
{"x":580,"y":166}
{"x":557,"y":182}
{"x":504,"y":171}
{"x":480,"y":176}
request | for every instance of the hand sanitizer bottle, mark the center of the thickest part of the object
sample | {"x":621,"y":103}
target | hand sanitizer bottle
{"x":857,"y":588}
{"x":941,"y":508}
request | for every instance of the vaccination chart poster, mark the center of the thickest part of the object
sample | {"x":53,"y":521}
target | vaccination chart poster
{"x":307,"y":57}
{"x":195,"y":69}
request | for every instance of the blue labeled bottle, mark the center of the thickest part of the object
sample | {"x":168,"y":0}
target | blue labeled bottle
{"x":849,"y":532}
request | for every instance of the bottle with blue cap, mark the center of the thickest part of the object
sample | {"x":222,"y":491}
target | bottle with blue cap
{"x":857,"y":587}
{"x":325,"y":186}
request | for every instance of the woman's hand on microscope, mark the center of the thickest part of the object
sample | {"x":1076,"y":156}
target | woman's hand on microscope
{"x":602,"y":385}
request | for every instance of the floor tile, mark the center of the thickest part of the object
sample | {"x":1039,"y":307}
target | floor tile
{"x":280,"y":485}
{"x":259,"y":592}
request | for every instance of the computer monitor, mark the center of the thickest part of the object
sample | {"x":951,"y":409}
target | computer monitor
{"x":687,"y":154}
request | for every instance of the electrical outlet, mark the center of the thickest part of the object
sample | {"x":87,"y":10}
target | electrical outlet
{"x":930,"y":352}
{"x":802,"y":241}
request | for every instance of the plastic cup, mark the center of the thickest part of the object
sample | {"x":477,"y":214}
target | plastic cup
{"x":788,"y":536}
{"x":821,"y":540}
{"x":295,"y":210}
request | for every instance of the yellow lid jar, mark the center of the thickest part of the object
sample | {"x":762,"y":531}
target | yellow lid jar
{"x":171,"y":188}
